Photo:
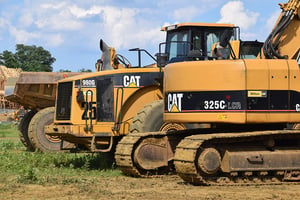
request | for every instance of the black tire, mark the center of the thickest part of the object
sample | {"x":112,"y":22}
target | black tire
{"x":37,"y":136}
{"x":150,"y":119}
{"x":23,"y":130}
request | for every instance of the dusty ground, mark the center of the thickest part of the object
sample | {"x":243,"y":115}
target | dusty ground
{"x":123,"y":187}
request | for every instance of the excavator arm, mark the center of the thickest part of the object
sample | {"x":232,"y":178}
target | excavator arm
{"x":283,"y":42}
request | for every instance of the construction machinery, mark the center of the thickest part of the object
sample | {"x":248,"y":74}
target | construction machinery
{"x":95,"y":110}
{"x":249,"y":108}
{"x":35,"y":92}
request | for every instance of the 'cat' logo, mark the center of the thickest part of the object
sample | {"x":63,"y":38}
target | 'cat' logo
{"x":131,"y":81}
{"x":174,"y":102}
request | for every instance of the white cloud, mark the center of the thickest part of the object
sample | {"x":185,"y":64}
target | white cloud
{"x":22,"y":36}
{"x":2,"y":22}
{"x":272,"y":20}
{"x":54,"y":6}
{"x":2,"y":26}
{"x":56,"y":17}
{"x":82,"y":13}
{"x":60,"y":22}
{"x":124,"y":29}
{"x":234,"y":12}
{"x":54,"y":40}
{"x":249,"y":36}
{"x":73,"y":23}
{"x":186,"y":13}
{"x":26,"y":19}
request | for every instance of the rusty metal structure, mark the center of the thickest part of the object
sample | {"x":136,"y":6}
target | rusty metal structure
{"x":8,"y":78}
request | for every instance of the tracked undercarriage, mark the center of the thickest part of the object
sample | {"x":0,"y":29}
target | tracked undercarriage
{"x":207,"y":158}
{"x":132,"y":155}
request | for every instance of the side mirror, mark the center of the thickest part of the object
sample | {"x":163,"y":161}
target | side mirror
{"x":162,"y":59}
{"x":80,"y":96}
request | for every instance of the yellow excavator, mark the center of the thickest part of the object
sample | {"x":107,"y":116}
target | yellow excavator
{"x":242,"y":100}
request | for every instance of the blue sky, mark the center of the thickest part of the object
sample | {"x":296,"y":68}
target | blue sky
{"x":71,"y":29}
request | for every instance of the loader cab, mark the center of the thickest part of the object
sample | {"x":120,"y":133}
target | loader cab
{"x":192,"y":41}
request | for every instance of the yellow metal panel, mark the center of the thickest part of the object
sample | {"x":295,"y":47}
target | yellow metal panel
{"x":76,"y":109}
{"x":294,"y":85}
{"x":257,"y":117}
{"x":294,"y":75}
{"x":257,"y":74}
{"x":205,"y":117}
{"x":217,"y":75}
{"x":273,"y":117}
{"x":257,"y":79}
{"x":279,"y":74}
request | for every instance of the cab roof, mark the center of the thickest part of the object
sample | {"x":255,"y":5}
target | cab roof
{"x":176,"y":26}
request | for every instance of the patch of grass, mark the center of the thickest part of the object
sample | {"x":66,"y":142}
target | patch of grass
{"x":64,"y":168}
{"x":11,"y":145}
{"x":8,"y":130}
{"x":18,"y":166}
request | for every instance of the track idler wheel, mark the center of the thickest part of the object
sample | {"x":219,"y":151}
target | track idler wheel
{"x":209,"y":161}
{"x":152,"y":153}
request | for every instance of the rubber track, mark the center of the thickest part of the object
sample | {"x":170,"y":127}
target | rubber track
{"x":186,"y":153}
{"x":123,"y":155}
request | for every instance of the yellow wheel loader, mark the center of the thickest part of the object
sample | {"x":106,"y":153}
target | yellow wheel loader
{"x":95,"y":110}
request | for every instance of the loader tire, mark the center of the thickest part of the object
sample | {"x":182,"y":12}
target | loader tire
{"x":23,"y":130}
{"x":37,"y":136}
{"x":150,"y":119}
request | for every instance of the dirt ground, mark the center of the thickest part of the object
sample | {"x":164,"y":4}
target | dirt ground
{"x":123,"y":187}
{"x":128,"y":188}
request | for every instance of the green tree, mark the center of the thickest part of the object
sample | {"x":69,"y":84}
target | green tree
{"x":9,"y":59}
{"x":28,"y":58}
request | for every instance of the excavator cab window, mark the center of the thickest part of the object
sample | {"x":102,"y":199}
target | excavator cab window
{"x":190,"y":43}
{"x":250,"y":49}
{"x":211,"y":39}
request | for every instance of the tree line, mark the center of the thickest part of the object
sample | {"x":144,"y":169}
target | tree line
{"x":30,"y":58}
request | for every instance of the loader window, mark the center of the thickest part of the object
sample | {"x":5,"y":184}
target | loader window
{"x":197,"y":42}
{"x":105,"y":100}
{"x":176,"y":45}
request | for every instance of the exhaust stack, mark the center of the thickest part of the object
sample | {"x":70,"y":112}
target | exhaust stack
{"x":106,"y":56}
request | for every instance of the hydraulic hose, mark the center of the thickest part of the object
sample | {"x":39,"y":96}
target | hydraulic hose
{"x":271,"y":44}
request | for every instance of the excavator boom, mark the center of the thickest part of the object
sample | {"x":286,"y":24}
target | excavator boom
{"x":283,"y":42}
